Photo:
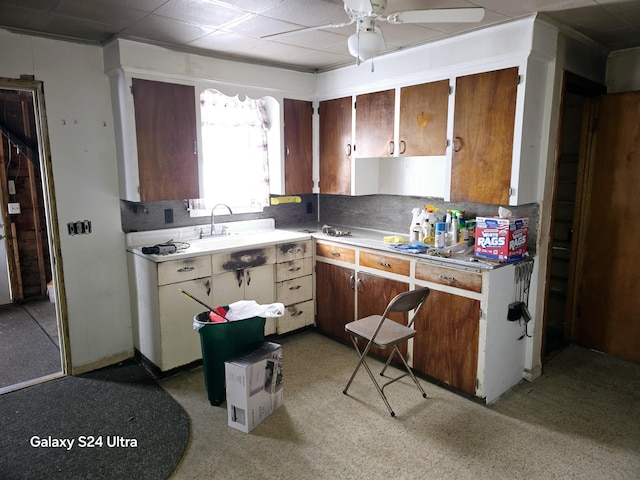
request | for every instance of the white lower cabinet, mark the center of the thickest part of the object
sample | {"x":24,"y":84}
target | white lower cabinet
{"x":163,"y":332}
{"x":294,"y":285}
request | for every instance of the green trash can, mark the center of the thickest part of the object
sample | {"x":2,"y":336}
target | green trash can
{"x":221,"y":342}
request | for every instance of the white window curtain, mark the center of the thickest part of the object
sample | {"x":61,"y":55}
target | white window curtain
{"x":235,"y":159}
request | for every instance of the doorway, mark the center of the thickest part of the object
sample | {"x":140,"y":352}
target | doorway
{"x":30,"y":308}
{"x":576,"y":116}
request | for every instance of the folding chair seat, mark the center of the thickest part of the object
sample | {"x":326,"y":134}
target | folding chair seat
{"x":382,"y":332}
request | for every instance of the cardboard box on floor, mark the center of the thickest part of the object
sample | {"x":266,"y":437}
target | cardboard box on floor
{"x":254,"y":386}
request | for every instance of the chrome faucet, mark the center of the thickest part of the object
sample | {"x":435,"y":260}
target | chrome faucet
{"x":213,"y":220}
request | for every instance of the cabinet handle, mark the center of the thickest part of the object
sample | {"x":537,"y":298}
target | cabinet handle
{"x":403,"y":147}
{"x":384,"y":264}
{"x":360,"y":284}
{"x":348,"y":150}
{"x":457,"y":144}
{"x":188,"y":268}
{"x":297,"y":314}
{"x":286,"y":154}
{"x":447,"y":278}
{"x":335,"y":254}
{"x":295,"y":287}
{"x":392,"y":147}
{"x":208,"y":285}
{"x":351,"y":281}
{"x":295,"y":269}
{"x":294,"y":250}
{"x":195,"y":147}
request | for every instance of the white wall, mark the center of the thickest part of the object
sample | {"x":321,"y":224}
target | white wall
{"x":623,"y":71}
{"x":80,"y":125}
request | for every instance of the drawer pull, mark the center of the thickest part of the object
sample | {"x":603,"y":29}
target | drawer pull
{"x":295,"y":287}
{"x":188,"y":268}
{"x":295,"y":250}
{"x":384,"y":264}
{"x":297,"y":314}
{"x":295,"y":269}
{"x":447,"y":278}
{"x":335,"y":254}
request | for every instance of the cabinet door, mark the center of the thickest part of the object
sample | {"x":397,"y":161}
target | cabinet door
{"x":259,"y":284}
{"x":483,"y":131}
{"x":423,"y":119}
{"x":166,"y":135}
{"x":227,"y":288}
{"x":298,"y":156}
{"x":446,"y":345}
{"x":335,"y":299}
{"x":179,"y":343}
{"x":335,"y":146}
{"x":374,"y":124}
{"x":374,"y":294}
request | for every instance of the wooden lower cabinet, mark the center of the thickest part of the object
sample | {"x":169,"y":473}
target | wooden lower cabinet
{"x":374,"y":294}
{"x":446,"y":345}
{"x":335,"y":301}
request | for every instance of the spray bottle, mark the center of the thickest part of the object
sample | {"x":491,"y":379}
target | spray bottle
{"x":414,"y":228}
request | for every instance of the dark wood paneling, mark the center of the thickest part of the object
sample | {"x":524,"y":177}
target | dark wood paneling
{"x":335,"y":146}
{"x":446,"y":345}
{"x":298,"y":157}
{"x":374,"y":124}
{"x":335,"y":299}
{"x":166,"y":134}
{"x":483,"y":131}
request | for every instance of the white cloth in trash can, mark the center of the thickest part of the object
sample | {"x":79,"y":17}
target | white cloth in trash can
{"x":250,"y":308}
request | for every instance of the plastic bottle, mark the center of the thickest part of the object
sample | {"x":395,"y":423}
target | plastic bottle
{"x":441,"y":232}
{"x":416,"y":219}
{"x":416,"y":231}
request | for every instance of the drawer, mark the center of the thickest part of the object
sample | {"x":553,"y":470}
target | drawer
{"x":337,"y":253}
{"x":449,"y":276}
{"x":294,"y":269}
{"x":295,"y":291}
{"x":186,"y":269}
{"x":296,"y":316}
{"x":241,"y":259}
{"x":384,"y":262}
{"x":293,"y":251}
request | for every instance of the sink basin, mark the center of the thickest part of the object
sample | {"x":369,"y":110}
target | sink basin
{"x":234,"y":241}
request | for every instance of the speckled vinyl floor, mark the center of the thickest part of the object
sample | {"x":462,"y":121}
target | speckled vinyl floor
{"x":579,"y":420}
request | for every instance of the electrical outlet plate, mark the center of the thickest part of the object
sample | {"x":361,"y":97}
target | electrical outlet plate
{"x":14,"y":208}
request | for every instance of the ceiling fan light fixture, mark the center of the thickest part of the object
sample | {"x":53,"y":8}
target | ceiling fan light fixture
{"x":365,"y":44}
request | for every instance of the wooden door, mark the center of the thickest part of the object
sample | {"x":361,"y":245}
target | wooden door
{"x":423,"y":119}
{"x":335,"y":299}
{"x":483,"y":133}
{"x":608,"y":304}
{"x":374,"y":124}
{"x":335,"y":146}
{"x":374,"y":294}
{"x":298,"y":155}
{"x":446,"y":345}
{"x":166,"y":136}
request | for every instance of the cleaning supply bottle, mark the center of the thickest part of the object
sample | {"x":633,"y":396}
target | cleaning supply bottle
{"x":415,"y":220}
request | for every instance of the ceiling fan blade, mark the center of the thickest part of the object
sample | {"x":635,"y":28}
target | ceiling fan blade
{"x":274,"y":36}
{"x":437,"y":15}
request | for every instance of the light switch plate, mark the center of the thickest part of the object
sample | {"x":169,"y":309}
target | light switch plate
{"x":14,"y":208}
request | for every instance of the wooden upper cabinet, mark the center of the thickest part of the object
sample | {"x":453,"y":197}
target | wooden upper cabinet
{"x":298,"y":155}
{"x":423,"y":119}
{"x":166,"y":135}
{"x":335,"y":146}
{"x":483,"y":134}
{"x":374,"y":124}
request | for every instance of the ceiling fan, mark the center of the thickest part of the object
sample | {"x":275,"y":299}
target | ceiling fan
{"x":368,"y":42}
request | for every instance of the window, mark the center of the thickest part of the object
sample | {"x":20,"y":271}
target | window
{"x":235,"y":159}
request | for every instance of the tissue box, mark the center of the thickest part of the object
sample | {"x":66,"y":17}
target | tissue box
{"x":254,"y":386}
{"x":502,"y":239}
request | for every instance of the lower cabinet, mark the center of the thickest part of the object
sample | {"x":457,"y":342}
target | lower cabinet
{"x":446,"y":344}
{"x":294,"y":285}
{"x":335,"y":301}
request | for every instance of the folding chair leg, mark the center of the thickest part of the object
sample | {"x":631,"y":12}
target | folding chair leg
{"x":406,"y":366}
{"x":362,"y":362}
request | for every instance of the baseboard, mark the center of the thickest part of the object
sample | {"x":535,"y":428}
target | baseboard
{"x":103,"y":362}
